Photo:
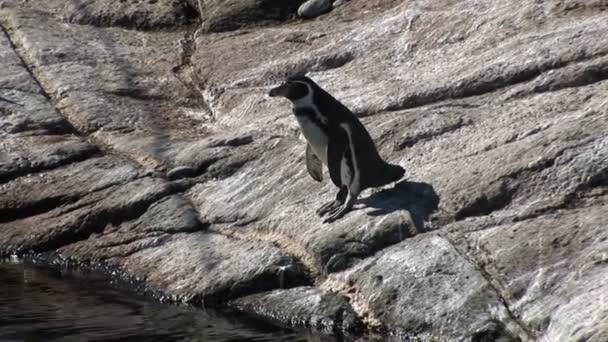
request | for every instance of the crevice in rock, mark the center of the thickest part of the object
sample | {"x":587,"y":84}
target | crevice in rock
{"x":49,"y":203}
{"x":508,"y":185}
{"x":86,"y":14}
{"x":358,"y":302}
{"x":266,"y":281}
{"x":589,"y":75}
{"x":68,"y":125}
{"x":431,"y":134}
{"x":137,"y":94}
{"x":31,"y":167}
{"x":40,"y":207}
{"x":99,"y":148}
{"x":472,"y":86}
{"x":159,"y":240}
{"x":185,"y":73}
{"x":27,"y":127}
{"x":572,"y":199}
{"x":95,"y":222}
{"x":485,"y":204}
{"x":285,"y":244}
{"x":226,"y":16}
{"x":27,"y":67}
{"x":489,"y":280}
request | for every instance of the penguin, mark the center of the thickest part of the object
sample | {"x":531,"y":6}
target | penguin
{"x":337,"y":139}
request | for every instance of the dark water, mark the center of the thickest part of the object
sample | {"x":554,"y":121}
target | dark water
{"x":42,"y":305}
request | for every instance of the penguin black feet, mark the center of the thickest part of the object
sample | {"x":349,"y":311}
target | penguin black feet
{"x":331,"y":206}
{"x":340,"y":211}
{"x":339,"y":207}
{"x":337,"y":213}
{"x":328,"y":207}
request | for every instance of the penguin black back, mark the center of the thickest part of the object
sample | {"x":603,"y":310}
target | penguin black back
{"x":375,"y":172}
{"x":339,"y":140}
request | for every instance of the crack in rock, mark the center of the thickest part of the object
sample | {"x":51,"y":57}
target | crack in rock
{"x":488,"y":277}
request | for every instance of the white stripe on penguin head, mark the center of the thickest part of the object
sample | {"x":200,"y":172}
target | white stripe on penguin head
{"x":308,"y":103}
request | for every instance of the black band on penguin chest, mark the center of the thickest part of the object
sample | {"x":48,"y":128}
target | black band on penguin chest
{"x":312,"y":117}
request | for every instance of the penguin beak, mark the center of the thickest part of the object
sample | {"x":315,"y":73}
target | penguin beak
{"x":279,"y":91}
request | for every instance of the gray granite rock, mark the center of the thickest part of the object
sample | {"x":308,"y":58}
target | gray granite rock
{"x":302,"y":307}
{"x":131,"y":14}
{"x":497,"y":111}
{"x":314,"y":8}
{"x":424,"y":287}
{"x":229,"y":15}
{"x":338,"y":3}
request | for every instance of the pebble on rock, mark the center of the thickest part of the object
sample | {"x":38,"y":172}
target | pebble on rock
{"x":338,"y":3}
{"x":314,"y":8}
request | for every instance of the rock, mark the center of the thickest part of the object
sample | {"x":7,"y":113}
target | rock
{"x":450,"y":295}
{"x":143,"y":15}
{"x":27,"y":154}
{"x":535,"y":274}
{"x":495,"y":233}
{"x":34,"y":136}
{"x":338,"y":3}
{"x":314,"y":8}
{"x":126,"y":109}
{"x":302,"y":307}
{"x":207,"y":269}
{"x":180,"y":172}
{"x":230,"y":15}
{"x":41,"y":192}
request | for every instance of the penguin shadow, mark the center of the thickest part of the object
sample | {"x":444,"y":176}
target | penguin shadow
{"x":419,"y":199}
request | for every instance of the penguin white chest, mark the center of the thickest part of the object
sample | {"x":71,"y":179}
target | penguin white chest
{"x":315,"y":137}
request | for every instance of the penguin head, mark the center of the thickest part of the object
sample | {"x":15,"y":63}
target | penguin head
{"x":294,"y":88}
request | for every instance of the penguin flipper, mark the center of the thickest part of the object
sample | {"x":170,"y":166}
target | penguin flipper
{"x":336,"y":146}
{"x":314,"y":165}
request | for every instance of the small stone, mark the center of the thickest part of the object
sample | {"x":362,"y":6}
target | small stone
{"x":180,"y":172}
{"x":314,"y":8}
{"x":338,"y":3}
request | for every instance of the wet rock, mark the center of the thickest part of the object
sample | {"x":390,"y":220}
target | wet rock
{"x":304,"y":307}
{"x":314,"y":8}
{"x":207,"y":269}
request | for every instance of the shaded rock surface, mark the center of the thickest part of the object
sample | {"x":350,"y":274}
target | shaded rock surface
{"x":229,"y":15}
{"x":131,"y":14}
{"x":134,"y":141}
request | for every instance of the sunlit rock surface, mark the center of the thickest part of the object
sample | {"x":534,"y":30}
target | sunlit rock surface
{"x":136,"y":138}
